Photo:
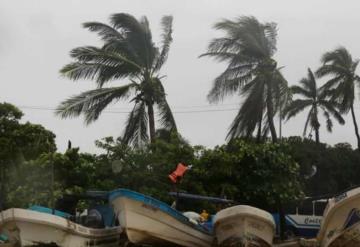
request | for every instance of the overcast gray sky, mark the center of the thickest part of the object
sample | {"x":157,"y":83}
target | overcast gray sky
{"x":37,"y":35}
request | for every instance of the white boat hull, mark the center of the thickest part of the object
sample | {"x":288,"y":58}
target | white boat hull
{"x":341,"y":222}
{"x":244,"y":225}
{"x":26,"y":228}
{"x":146,"y":224}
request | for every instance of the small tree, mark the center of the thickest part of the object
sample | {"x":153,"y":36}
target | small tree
{"x":342,"y":68}
{"x":19,"y":142}
{"x":316,"y":99}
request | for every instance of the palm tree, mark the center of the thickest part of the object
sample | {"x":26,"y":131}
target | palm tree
{"x":317,"y":99}
{"x":342,"y":68}
{"x":128,"y":52}
{"x":248,"y":47}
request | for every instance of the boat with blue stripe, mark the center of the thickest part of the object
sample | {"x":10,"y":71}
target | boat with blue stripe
{"x":147,"y":220}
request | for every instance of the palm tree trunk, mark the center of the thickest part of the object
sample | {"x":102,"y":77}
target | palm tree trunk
{"x":272,"y":128}
{"x":270,"y":115}
{"x":2,"y":187}
{"x":317,"y":136}
{"x":282,"y":219}
{"x":258,"y":137}
{"x":356,"y":126}
{"x":280,"y":122}
{"x":317,"y":124}
{"x":151,"y":122}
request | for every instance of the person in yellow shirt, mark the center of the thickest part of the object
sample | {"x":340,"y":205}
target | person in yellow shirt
{"x":204,"y":216}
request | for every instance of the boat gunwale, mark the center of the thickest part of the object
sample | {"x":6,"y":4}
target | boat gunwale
{"x":266,"y":219}
{"x":330,"y":209}
{"x":346,"y":231}
{"x":219,"y":221}
{"x":92,"y":233}
{"x":158,"y":204}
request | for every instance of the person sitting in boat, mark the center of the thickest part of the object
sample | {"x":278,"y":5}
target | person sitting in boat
{"x":204,"y":216}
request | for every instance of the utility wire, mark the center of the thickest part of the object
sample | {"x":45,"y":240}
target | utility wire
{"x":126,"y":112}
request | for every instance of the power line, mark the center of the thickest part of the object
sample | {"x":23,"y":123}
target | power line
{"x":206,"y":106}
{"x":127,"y":111}
{"x":41,"y":108}
{"x":200,"y":111}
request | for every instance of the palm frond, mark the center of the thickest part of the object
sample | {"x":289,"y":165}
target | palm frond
{"x":149,"y":51}
{"x":332,"y":70}
{"x":229,"y":82}
{"x":312,"y":83}
{"x":333,"y":82}
{"x":102,"y":56}
{"x":332,"y":108}
{"x":339,"y":56}
{"x":329,"y":123}
{"x":246,"y":35}
{"x":126,"y":23}
{"x":106,"y":32}
{"x":296,"y":107}
{"x":234,"y":60}
{"x":271,"y":34}
{"x":256,"y":37}
{"x":92,"y":103}
{"x":138,"y":34}
{"x":309,"y":116}
{"x":100,"y":65}
{"x":249,"y":114}
{"x":301,"y":91}
{"x":136,"y":127}
{"x":219,"y":45}
{"x":167,"y":119}
{"x":282,"y":92}
{"x":166,"y":39}
{"x":95,"y":71}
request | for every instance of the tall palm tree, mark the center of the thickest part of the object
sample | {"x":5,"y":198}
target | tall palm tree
{"x":128,"y":52}
{"x":342,"y":68}
{"x":316,"y":99}
{"x":248,"y":47}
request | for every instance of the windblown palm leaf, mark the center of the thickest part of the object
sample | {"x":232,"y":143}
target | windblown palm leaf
{"x":248,"y":47}
{"x":136,"y":127}
{"x":129,"y":53}
{"x":316,"y":99}
{"x":93,"y":102}
{"x":340,"y":66}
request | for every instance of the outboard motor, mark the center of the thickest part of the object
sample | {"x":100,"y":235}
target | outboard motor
{"x":94,"y":219}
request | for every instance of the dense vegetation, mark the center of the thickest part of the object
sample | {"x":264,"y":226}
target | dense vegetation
{"x":242,"y":170}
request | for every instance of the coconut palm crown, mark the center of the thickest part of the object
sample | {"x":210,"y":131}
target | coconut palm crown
{"x":248,"y":47}
{"x":340,"y":66}
{"x":317,"y":100}
{"x":128,"y":52}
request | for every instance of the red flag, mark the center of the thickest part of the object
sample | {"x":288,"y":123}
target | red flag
{"x":179,"y":172}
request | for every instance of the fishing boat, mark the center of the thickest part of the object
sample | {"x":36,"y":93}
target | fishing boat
{"x":244,"y":225}
{"x":28,"y":227}
{"x":146,"y":220}
{"x":341,"y":221}
{"x":306,"y":221}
